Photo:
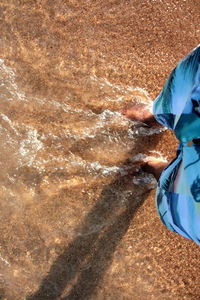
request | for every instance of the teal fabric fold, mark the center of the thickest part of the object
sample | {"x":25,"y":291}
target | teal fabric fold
{"x":178,"y":108}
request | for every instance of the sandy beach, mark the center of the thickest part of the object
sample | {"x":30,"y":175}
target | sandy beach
{"x":78,"y":218}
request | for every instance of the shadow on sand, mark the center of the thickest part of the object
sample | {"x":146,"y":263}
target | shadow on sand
{"x":78,"y":270}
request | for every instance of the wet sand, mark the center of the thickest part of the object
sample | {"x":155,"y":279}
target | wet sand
{"x":74,"y":222}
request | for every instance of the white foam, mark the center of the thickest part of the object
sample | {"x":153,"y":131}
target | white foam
{"x":125,"y":89}
{"x":4,"y":260}
{"x":30,"y":146}
{"x":9,"y":82}
{"x":6,"y":119}
{"x":67,"y":108}
{"x":145,"y":131}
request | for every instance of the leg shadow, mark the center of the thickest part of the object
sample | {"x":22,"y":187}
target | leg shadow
{"x":78,"y":270}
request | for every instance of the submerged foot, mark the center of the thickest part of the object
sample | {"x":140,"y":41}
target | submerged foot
{"x":140,"y":112}
{"x":154,"y":166}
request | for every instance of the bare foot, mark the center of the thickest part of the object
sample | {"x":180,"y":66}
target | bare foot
{"x":139,"y":112}
{"x":155,"y":167}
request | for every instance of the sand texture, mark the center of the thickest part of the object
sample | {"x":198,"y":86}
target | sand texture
{"x":77,"y":215}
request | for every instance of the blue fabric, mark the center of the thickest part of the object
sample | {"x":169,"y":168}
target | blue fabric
{"x":178,"y":108}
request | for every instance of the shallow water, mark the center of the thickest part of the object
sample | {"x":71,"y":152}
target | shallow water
{"x":70,"y":177}
{"x":56,"y":161}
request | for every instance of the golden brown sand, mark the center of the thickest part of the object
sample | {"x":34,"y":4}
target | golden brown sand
{"x":73,"y":225}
